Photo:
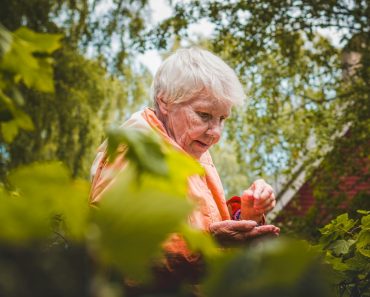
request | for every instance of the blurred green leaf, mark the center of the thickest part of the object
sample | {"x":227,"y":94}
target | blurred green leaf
{"x":200,"y":241}
{"x":12,"y":119}
{"x":42,"y":191}
{"x":144,"y":149}
{"x":5,"y":40}
{"x":133,"y":219}
{"x":278,"y":267}
{"x":364,"y":212}
{"x":9,"y":130}
{"x":39,"y":42}
{"x":23,"y":59}
{"x":23,"y":120}
{"x":35,"y":71}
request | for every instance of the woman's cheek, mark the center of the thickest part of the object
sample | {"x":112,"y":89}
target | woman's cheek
{"x":199,"y":130}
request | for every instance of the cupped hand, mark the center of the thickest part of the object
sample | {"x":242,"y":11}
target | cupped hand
{"x":257,"y":200}
{"x":230,"y":232}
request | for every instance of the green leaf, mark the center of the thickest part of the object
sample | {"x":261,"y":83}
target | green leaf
{"x":341,"y":247}
{"x":218,"y":268}
{"x":273,"y":267}
{"x":364,"y":212}
{"x":5,"y":40}
{"x":7,"y":102}
{"x":43,"y":192}
{"x":36,"y":72}
{"x":44,"y":81}
{"x":358,"y":262}
{"x":9,"y":130}
{"x":365,"y":221}
{"x":17,"y":119}
{"x":336,"y":262}
{"x":40,"y":42}
{"x":23,"y":120}
{"x":338,"y":227}
{"x":144,"y":151}
{"x":199,"y":241}
{"x":363,"y":242}
{"x":181,"y":166}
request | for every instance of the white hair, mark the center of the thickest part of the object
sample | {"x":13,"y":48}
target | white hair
{"x":190,"y":72}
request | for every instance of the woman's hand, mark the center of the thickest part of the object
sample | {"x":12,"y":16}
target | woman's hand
{"x":232,"y":232}
{"x":257,"y":200}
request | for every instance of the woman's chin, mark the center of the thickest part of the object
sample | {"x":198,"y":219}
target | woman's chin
{"x":197,"y":149}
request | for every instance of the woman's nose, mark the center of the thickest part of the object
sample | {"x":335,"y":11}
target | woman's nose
{"x":215,"y":129}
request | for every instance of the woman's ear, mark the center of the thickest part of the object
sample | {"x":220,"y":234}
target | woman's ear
{"x":162,"y":105}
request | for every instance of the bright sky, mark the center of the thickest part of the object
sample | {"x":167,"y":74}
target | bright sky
{"x":161,"y":11}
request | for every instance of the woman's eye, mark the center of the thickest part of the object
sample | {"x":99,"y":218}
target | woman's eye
{"x":204,"y":116}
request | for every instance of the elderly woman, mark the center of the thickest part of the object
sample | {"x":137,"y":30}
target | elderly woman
{"x":193,"y":94}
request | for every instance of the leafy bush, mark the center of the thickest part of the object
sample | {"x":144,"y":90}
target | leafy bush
{"x":346,"y":244}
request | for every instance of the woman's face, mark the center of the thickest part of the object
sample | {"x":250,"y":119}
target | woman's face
{"x":197,"y":124}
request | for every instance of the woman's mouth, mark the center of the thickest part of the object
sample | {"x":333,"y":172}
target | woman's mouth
{"x":202,"y":144}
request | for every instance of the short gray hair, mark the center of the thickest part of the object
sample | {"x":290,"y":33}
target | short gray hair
{"x":193,"y":71}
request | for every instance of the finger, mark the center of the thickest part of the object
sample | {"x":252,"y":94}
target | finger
{"x":244,"y":225}
{"x":262,"y":204}
{"x":247,"y":199}
{"x":265,"y":209}
{"x":259,"y":186}
{"x":267,"y":204}
{"x":238,"y":226}
{"x":271,"y":206}
{"x":262,"y":231}
{"x":231,"y":225}
{"x":228,"y":232}
{"x":266,"y":193}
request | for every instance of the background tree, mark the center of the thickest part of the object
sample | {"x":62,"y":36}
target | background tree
{"x":89,"y":92}
{"x":90,"y":26}
{"x":70,"y":124}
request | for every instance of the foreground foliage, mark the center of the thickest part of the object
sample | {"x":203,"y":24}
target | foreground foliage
{"x":44,"y":208}
{"x":47,"y":209}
